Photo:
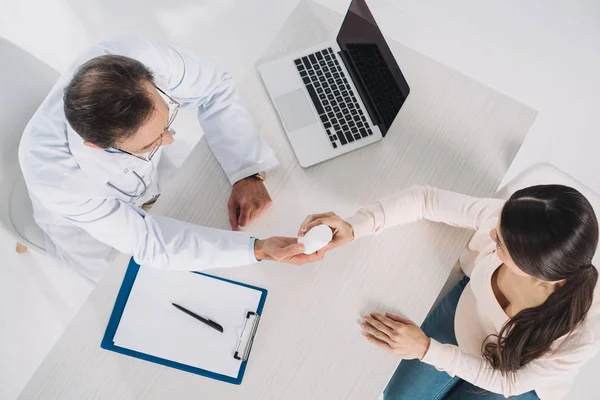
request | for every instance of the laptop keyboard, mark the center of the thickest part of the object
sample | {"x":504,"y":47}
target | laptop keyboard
{"x":333,"y":97}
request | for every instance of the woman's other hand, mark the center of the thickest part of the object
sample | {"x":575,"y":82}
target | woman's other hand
{"x":396,"y":335}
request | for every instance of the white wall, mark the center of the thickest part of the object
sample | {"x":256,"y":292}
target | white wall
{"x":544,"y":53}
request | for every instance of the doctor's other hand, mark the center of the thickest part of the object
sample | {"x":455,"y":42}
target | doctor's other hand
{"x":249,"y":200}
{"x":343,"y":232}
{"x":284,"y":249}
{"x":397,"y":335}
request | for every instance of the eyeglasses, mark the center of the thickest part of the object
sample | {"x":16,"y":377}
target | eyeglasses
{"x":173,"y":106}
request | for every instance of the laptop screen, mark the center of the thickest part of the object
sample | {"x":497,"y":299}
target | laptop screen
{"x":374,"y":70}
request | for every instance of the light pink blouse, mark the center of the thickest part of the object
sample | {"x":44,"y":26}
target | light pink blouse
{"x":478,"y":313}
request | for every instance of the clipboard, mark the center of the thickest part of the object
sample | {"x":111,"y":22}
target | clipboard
{"x":241,"y":352}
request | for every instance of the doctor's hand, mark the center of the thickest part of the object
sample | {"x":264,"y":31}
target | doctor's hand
{"x":284,"y":249}
{"x":343,"y":232}
{"x":249,"y":200}
{"x":397,"y":335}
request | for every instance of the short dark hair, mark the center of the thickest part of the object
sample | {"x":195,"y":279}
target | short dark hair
{"x":106,"y":100}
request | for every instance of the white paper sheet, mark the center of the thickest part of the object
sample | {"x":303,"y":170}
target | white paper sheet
{"x":151,"y":325}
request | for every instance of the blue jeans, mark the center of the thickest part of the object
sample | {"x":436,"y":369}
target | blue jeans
{"x":416,"y":380}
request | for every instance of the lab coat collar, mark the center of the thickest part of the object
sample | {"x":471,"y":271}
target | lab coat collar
{"x":100,"y":164}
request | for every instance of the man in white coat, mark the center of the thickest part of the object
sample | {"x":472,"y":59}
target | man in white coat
{"x":91,"y":160}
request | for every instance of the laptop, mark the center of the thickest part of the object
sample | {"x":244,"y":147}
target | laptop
{"x":338,"y":96}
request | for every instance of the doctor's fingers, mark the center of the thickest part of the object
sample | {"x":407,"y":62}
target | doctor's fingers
{"x":233,"y":214}
{"x":294,"y":253}
{"x":250,"y":211}
{"x":311,"y":218}
{"x":287,"y":252}
{"x":302,"y":258}
{"x":246,"y":212}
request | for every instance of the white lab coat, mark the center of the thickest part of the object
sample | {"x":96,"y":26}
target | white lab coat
{"x":85,"y":219}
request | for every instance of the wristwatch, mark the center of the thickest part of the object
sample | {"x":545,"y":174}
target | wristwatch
{"x":260,"y":176}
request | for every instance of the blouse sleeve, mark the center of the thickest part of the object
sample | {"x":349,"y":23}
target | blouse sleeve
{"x":423,"y":203}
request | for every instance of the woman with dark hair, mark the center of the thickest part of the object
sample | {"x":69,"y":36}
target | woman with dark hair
{"x":524,"y":319}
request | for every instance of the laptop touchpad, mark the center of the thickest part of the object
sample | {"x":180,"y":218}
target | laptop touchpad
{"x":295,"y":110}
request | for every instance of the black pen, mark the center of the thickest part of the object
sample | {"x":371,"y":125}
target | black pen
{"x":208,"y":322}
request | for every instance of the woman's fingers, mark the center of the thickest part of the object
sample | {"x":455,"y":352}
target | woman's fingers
{"x":332,"y":221}
{"x":385,"y":320}
{"x":311,"y":218}
{"x":399,"y":319}
{"x":375,"y":322}
{"x":377,"y":342}
{"x":306,"y":221}
{"x":398,"y":335}
{"x":309,"y":226}
{"x":373,"y":331}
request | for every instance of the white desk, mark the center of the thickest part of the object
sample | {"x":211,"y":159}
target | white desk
{"x":452,"y":132}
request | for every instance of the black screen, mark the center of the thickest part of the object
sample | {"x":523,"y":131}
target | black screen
{"x":373,"y":67}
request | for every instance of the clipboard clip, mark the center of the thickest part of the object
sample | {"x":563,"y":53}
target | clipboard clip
{"x":247,"y":336}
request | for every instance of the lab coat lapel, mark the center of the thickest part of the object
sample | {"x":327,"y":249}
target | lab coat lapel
{"x":100,"y":165}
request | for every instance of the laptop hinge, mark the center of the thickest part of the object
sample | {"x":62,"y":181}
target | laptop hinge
{"x":360,"y":87}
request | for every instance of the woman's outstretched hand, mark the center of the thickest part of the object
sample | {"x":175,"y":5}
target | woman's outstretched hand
{"x":343,"y":232}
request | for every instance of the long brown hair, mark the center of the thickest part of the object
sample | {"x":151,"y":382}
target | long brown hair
{"x":551,"y":233}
